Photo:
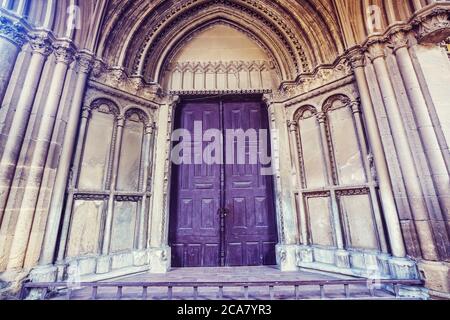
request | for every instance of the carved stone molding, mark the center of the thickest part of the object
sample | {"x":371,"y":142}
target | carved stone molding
{"x":138,"y":115}
{"x":187,"y":10}
{"x":322,"y":76}
{"x":209,"y":92}
{"x":105,"y":106}
{"x":330,"y":104}
{"x":352,"y":192}
{"x":13,"y":31}
{"x":317,"y":194}
{"x":220,"y":75}
{"x":90,"y":197}
{"x":433,"y":27}
{"x":128,"y":198}
{"x":118,"y":79}
{"x":305,"y":112}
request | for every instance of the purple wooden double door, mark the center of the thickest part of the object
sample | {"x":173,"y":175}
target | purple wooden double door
{"x":222,"y":214}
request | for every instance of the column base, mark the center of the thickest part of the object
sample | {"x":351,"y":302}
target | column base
{"x":342,"y":259}
{"x":402,"y":268}
{"x":436,"y":276}
{"x":287,"y":257}
{"x":47,"y":273}
{"x":160,"y":260}
{"x":141,"y":258}
{"x":103,"y":265}
{"x":11,"y":283}
{"x":305,"y":254}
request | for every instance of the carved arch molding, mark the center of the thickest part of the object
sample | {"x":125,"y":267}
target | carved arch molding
{"x":155,"y":40}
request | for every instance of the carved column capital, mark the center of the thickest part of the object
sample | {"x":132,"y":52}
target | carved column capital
{"x":357,"y":60}
{"x":292,"y":125}
{"x":355,"y":106}
{"x":376,"y":50}
{"x":149,"y":129}
{"x":268,"y":99}
{"x":85,"y":62}
{"x":41,"y":43}
{"x":86,"y":112}
{"x":120,"y":121}
{"x":321,"y":117}
{"x":13,"y":31}
{"x":398,"y":40}
{"x":64,"y":52}
{"x":433,"y":26}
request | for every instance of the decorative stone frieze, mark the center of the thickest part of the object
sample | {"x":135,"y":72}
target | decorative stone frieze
{"x":323,"y":75}
{"x":118,"y":79}
{"x":13,"y":31}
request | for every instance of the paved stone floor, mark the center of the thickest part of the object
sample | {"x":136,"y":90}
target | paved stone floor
{"x":240,"y":274}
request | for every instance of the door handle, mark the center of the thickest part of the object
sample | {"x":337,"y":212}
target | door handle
{"x":223,"y":212}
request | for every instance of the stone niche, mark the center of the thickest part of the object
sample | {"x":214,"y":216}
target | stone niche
{"x":220,"y":58}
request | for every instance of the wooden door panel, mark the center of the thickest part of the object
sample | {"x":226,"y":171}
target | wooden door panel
{"x":251,"y":233}
{"x":194,"y":229}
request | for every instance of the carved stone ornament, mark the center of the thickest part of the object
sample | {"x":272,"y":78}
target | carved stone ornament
{"x":13,"y":31}
{"x":357,"y":60}
{"x":434,"y":27}
{"x":320,"y":77}
{"x":398,"y":40}
{"x":119,"y":79}
{"x":64,"y":52}
{"x":85,"y":62}
{"x":41,"y":43}
{"x":376,"y":50}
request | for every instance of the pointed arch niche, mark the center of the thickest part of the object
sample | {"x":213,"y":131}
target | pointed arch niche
{"x":220,"y":57}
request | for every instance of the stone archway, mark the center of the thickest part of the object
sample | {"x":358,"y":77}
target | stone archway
{"x":219,"y":59}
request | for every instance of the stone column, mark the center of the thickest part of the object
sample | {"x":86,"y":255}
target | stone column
{"x":12,"y":38}
{"x":425,"y":126}
{"x":65,"y":161}
{"x":287,"y":219}
{"x":41,"y":47}
{"x":158,"y":226}
{"x":293,"y":129}
{"x":85,"y":115}
{"x":405,"y":156}
{"x":384,"y":180}
{"x":111,"y":200}
{"x":147,"y":160}
{"x":64,"y":52}
{"x":356,"y":110}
